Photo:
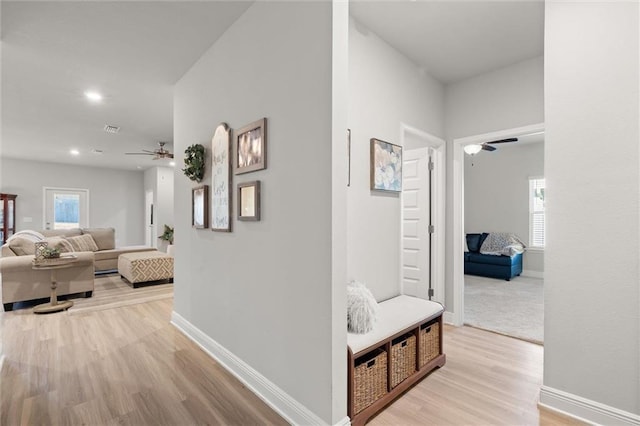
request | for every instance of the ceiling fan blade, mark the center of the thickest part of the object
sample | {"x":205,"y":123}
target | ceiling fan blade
{"x":169,"y":155}
{"x":488,"y":147}
{"x":505,"y":140}
{"x":139,"y":153}
{"x":146,"y":150}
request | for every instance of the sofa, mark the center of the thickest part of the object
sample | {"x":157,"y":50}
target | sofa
{"x":21,"y":283}
{"x":96,"y":254}
{"x":105,"y":251}
{"x":490,"y":265}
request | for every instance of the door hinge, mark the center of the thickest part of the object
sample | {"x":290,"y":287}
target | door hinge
{"x":431,"y":293}
{"x":430,"y":164}
{"x":432,"y":229}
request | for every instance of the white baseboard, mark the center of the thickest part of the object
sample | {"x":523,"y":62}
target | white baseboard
{"x":584,"y":409}
{"x":290,"y":409}
{"x":344,"y":422}
{"x":532,"y":274}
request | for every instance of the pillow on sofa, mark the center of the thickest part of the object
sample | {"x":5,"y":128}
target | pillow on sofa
{"x":22,"y":246}
{"x":105,"y":238}
{"x":60,"y":243}
{"x":362,"y":308}
{"x":83,"y":243}
{"x":473,"y":242}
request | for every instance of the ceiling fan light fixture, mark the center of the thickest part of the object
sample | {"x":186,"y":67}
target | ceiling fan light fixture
{"x":472,"y":149}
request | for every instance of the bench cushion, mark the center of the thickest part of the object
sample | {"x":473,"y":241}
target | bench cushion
{"x":394,"y":315}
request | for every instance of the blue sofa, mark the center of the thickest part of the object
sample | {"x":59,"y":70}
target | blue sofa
{"x":487,"y":265}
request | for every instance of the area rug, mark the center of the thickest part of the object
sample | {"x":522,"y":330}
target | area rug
{"x":514,"y":308}
{"x":112,"y":292}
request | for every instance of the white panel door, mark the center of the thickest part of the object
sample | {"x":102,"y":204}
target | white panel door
{"x":66,"y":208}
{"x":415,"y":223}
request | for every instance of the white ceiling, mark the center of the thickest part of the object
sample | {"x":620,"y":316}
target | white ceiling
{"x":134,"y":52}
{"x":455,"y":40}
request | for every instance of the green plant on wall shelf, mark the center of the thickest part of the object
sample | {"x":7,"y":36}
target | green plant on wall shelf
{"x":167,"y":235}
{"x":194,"y":161}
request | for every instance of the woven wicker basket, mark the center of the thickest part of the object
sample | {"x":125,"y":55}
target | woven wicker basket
{"x":370,"y":380}
{"x":429,"y":342}
{"x":403,"y":358}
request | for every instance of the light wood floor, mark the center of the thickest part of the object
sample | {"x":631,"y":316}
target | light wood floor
{"x":130,"y":366}
{"x":125,"y":366}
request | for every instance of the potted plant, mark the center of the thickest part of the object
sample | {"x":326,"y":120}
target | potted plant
{"x":167,"y":236}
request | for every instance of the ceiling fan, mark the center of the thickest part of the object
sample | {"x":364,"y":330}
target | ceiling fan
{"x":157,"y":154}
{"x":487,"y":146}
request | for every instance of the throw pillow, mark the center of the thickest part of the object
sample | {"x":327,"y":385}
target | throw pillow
{"x":362,"y":308}
{"x":60,"y":243}
{"x":83,"y":243}
{"x":22,"y":246}
{"x":105,"y":238}
{"x":473,"y":242}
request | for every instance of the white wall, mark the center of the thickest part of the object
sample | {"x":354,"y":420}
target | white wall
{"x":159,"y":180}
{"x":496,"y":193}
{"x":265,"y":291}
{"x":507,"y":98}
{"x":385,"y":90}
{"x":591,"y":157}
{"x":116,"y":197}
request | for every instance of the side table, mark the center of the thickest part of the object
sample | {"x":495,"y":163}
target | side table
{"x":53,"y":265}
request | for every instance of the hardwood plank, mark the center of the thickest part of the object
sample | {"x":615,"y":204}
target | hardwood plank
{"x":125,"y":365}
{"x":129,"y":365}
{"x":488,"y":379}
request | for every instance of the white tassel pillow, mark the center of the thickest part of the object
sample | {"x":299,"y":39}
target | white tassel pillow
{"x":362,"y":308}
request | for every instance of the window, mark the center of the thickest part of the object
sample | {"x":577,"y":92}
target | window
{"x":536,"y":213}
{"x":66,"y":211}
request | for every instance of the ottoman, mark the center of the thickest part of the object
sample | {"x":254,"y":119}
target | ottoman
{"x":146,"y":266}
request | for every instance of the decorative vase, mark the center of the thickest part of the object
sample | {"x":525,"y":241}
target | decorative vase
{"x":40,"y":248}
{"x":170,"y":249}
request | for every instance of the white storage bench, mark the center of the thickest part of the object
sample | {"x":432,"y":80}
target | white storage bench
{"x":403,"y":347}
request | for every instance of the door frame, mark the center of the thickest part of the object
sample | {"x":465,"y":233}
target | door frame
{"x":55,"y":188}
{"x":458,"y":207}
{"x":438,"y":207}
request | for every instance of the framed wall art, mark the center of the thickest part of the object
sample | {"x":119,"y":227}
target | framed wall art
{"x":251,"y":147}
{"x":221,"y":179}
{"x":386,"y":166}
{"x":249,"y":200}
{"x":200,"y":207}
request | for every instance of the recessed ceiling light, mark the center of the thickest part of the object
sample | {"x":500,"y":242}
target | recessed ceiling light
{"x":93,"y":96}
{"x":172,"y":163}
{"x":74,"y":152}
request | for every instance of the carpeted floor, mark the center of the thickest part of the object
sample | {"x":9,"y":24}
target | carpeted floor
{"x":514,"y":308}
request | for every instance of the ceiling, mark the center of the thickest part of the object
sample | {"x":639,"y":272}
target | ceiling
{"x":455,"y":40}
{"x":134,"y":52}
{"x":131,"y":52}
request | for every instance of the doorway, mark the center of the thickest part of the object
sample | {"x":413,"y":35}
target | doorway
{"x":150,"y":228}
{"x":459,"y":227}
{"x":66,"y":208}
{"x":422,"y":215}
